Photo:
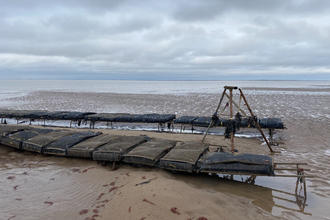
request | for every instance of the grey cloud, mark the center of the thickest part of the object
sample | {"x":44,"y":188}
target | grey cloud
{"x":196,"y":10}
{"x":188,"y":38}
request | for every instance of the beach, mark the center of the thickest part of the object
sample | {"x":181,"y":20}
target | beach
{"x":36,"y":186}
{"x":96,"y":191}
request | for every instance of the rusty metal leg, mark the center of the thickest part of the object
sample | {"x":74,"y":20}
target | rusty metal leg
{"x":297,"y":183}
{"x":232,"y":142}
{"x":271,"y":136}
{"x":113,"y":165}
{"x":231,"y":117}
{"x":256,"y":122}
{"x":305,"y":189}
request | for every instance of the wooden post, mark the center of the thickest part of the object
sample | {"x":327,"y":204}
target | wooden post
{"x":231,"y":117}
{"x":297,"y":185}
{"x":256,"y":122}
{"x":271,"y":132}
{"x":231,"y":103}
{"x":305,"y":189}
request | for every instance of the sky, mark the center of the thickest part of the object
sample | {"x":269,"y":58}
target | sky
{"x":165,"y":40}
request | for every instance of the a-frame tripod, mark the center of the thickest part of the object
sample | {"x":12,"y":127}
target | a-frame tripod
{"x":231,"y":102}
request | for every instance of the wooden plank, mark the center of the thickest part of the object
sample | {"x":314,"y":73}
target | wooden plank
{"x":277,"y":152}
{"x":230,"y":173}
{"x":291,"y":163}
{"x":291,"y":169}
{"x":231,"y":87}
{"x":294,"y":176}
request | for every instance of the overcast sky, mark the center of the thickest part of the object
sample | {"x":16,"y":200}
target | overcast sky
{"x":166,"y":40}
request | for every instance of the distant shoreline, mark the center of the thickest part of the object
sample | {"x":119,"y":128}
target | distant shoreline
{"x":151,"y":80}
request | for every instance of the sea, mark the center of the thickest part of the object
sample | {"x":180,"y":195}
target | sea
{"x":303,"y":106}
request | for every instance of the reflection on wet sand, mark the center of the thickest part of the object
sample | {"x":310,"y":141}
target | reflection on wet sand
{"x":261,"y":196}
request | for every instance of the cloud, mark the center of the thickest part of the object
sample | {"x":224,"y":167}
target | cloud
{"x":183,"y":39}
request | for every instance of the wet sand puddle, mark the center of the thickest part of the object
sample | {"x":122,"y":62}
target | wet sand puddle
{"x":36,"y":186}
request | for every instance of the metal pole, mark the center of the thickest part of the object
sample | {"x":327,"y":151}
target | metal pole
{"x":216,"y":111}
{"x":231,"y":117}
{"x":256,"y":122}
{"x":231,"y":103}
{"x":271,"y":131}
{"x":305,"y":189}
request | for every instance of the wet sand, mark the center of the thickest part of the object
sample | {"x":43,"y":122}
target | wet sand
{"x":36,"y":186}
{"x":71,"y":193}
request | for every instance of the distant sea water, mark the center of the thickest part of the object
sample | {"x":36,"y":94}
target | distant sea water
{"x":14,"y":88}
{"x":304,"y":107}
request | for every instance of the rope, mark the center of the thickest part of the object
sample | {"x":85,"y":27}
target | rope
{"x":238,"y":118}
{"x":233,"y":125}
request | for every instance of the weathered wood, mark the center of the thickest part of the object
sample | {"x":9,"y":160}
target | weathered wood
{"x":271,"y":132}
{"x":293,"y":176}
{"x":230,"y":173}
{"x":232,"y":142}
{"x":276,"y":151}
{"x":231,"y":87}
{"x":305,"y":188}
{"x":291,"y":163}
{"x":295,"y":169}
{"x":231,"y":103}
{"x":237,"y":106}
